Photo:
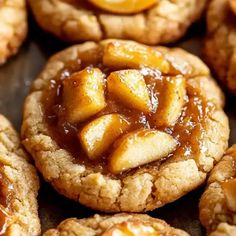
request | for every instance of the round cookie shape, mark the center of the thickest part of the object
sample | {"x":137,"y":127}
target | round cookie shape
{"x":157,"y":21}
{"x":13,"y":27}
{"x":119,"y":224}
{"x":19,"y":186}
{"x":119,"y":126}
{"x":217,"y":204}
{"x":219,"y":48}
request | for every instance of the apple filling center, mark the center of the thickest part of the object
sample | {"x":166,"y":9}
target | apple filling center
{"x":122,"y":107}
{"x":123,"y":6}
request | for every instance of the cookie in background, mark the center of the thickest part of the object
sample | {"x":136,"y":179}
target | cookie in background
{"x":218,"y":202}
{"x":220,"y":43}
{"x":149,"y":21}
{"x":13,"y":27}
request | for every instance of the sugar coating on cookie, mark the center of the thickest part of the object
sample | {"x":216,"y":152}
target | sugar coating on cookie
{"x":218,"y":202}
{"x":13,"y":27}
{"x":19,"y":186}
{"x":148,"y":21}
{"x":119,"y":224}
{"x":220,"y":46}
{"x":120,"y":126}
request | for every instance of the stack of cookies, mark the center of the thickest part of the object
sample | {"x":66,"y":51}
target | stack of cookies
{"x":118,"y":123}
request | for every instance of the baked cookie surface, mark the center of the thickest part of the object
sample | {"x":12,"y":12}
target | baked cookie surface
{"x":217,"y":204}
{"x":119,"y":126}
{"x":220,"y":44}
{"x":119,"y":224}
{"x":19,"y":186}
{"x":160,"y":21}
{"x":13,"y":27}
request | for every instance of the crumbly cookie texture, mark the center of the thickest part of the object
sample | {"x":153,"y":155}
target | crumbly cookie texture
{"x":215,"y":211}
{"x":100,"y":225}
{"x":146,"y":188}
{"x":74,"y":21}
{"x":13,"y":27}
{"x":19,"y":186}
{"x":220,"y":44}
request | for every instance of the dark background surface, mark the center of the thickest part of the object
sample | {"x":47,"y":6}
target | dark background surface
{"x":15,"y":80}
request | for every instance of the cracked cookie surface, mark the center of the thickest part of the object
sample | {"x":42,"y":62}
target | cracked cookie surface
{"x":19,"y":186}
{"x":75,"y":21}
{"x":220,"y":44}
{"x":13,"y":27}
{"x":114,"y":225}
{"x":217,"y":204}
{"x":166,"y":173}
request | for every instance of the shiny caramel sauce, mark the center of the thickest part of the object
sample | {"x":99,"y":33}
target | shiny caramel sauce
{"x":5,"y":202}
{"x":132,"y":228}
{"x":187,"y":130}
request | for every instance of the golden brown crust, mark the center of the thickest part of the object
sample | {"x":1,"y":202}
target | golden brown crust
{"x":70,"y":20}
{"x":96,"y":225}
{"x":146,"y":189}
{"x":20,"y":182}
{"x":214,"y":212}
{"x":220,"y":46}
{"x":13,"y":27}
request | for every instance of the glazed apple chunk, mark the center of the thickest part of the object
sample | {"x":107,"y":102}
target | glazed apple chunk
{"x":140,"y":147}
{"x":121,"y":55}
{"x":123,"y":6}
{"x":129,"y":87}
{"x":83,"y":94}
{"x":171,"y":102}
{"x":98,"y":135}
{"x":131,"y":228}
{"x":229,"y":190}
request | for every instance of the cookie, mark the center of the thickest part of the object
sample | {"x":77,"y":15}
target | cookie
{"x":220,"y":44}
{"x":119,"y":224}
{"x":13,"y":27}
{"x":217,"y":204}
{"x":150,"y":21}
{"x":119,"y":126}
{"x":19,"y":186}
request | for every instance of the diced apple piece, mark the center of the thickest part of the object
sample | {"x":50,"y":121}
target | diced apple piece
{"x":140,"y":147}
{"x":171,"y":101}
{"x":229,"y":190}
{"x":121,"y":55}
{"x":83,"y":94}
{"x":131,"y":228}
{"x":98,"y":135}
{"x":129,"y":87}
{"x":123,"y":6}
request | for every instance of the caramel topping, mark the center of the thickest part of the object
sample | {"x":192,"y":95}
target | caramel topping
{"x":123,"y":6}
{"x":131,"y":228}
{"x":108,"y":105}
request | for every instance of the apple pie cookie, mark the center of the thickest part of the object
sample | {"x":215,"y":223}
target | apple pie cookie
{"x":220,"y":44}
{"x":13,"y":27}
{"x":19,"y":186}
{"x":119,"y":224}
{"x":218,"y":202}
{"x":119,"y":126}
{"x":149,"y":21}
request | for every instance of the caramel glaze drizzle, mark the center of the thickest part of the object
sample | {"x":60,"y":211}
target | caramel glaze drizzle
{"x":187,"y":130}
